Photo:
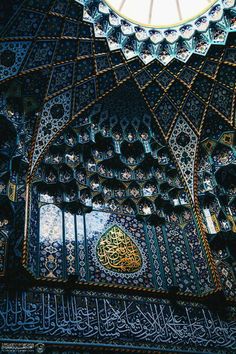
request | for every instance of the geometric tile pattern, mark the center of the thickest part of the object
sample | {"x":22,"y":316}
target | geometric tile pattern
{"x":55,"y":114}
{"x":61,"y":52}
{"x":164,"y":44}
{"x":12,"y":55}
{"x":183,"y":143}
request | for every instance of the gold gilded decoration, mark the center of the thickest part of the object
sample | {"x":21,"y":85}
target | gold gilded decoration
{"x":232,"y":222}
{"x":12,"y":191}
{"x":116,"y":251}
{"x":216,"y":223}
{"x":209,"y":145}
{"x":227,"y":139}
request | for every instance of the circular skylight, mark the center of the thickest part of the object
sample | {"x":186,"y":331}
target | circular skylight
{"x":160,"y":13}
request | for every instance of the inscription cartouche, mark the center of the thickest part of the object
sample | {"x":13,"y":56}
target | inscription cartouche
{"x":116,"y":251}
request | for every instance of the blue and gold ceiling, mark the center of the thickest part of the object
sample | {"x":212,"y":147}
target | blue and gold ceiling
{"x":163,"y":42}
{"x":55,"y":56}
{"x":116,"y":172}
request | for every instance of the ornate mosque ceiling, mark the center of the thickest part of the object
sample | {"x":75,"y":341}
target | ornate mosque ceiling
{"x":161,"y":30}
{"x":159,"y":14}
{"x":118,"y":137}
{"x":54,"y":54}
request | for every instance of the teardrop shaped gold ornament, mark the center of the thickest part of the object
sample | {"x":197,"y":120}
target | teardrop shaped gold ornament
{"x":116,"y":251}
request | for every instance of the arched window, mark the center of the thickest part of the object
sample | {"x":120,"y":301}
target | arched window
{"x":61,"y":243}
{"x":51,"y":241}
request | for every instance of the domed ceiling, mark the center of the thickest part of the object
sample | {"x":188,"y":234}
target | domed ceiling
{"x":161,"y":30}
{"x":160,"y":14}
{"x":57,"y":59}
{"x":117,"y":171}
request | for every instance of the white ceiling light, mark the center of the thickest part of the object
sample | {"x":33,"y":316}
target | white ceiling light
{"x":160,"y":13}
